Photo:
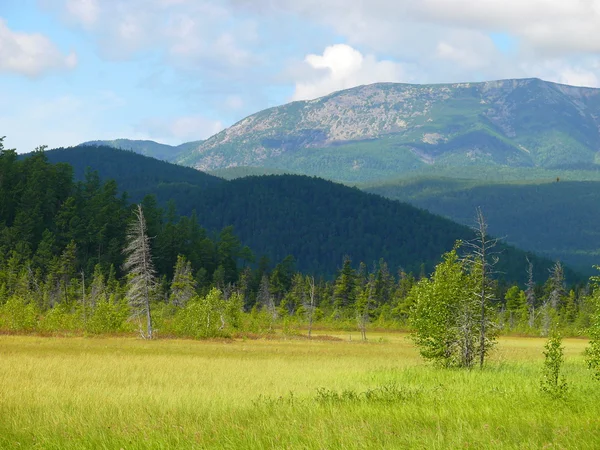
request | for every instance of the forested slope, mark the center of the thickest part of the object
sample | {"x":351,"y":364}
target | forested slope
{"x":558,"y":219}
{"x":134,"y":173}
{"x":317,"y":221}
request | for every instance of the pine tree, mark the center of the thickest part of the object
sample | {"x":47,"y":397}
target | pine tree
{"x":97,"y":288}
{"x":67,"y":269}
{"x":516,"y":305}
{"x":141,"y":276}
{"x":344,"y":294}
{"x":183,"y":287}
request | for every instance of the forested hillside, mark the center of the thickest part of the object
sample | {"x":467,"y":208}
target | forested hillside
{"x":316,"y":221}
{"x":558,"y":219}
{"x":54,"y":226}
{"x":308,"y":248}
{"x":134,"y":173}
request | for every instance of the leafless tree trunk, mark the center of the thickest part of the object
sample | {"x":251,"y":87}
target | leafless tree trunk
{"x":310,"y":306}
{"x":364,"y":304}
{"x":530,"y":293}
{"x":83,"y":302}
{"x":141,"y":273}
{"x":483,"y":260}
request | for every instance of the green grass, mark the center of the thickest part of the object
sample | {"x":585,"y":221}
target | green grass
{"x":66,"y":393}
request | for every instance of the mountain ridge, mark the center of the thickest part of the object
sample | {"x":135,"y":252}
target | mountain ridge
{"x":386,"y":129}
{"x":146,"y":147}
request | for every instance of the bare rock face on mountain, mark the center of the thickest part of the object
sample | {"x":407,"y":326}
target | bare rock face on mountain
{"x":388,"y":129}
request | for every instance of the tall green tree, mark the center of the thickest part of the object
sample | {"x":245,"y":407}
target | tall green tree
{"x":344,"y":293}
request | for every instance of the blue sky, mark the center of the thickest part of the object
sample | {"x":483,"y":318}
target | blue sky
{"x":181,"y":70}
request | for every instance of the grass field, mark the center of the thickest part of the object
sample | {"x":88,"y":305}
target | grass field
{"x":113,"y":393}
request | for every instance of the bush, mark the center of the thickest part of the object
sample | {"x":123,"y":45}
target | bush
{"x":61,"y":318}
{"x":110,"y":316}
{"x":553,"y":383}
{"x":202,"y":317}
{"x":18,"y":315}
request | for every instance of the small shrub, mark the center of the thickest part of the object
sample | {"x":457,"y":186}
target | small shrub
{"x":18,"y":315}
{"x":110,"y":316}
{"x":61,"y":318}
{"x":592,"y":353}
{"x":553,"y":383}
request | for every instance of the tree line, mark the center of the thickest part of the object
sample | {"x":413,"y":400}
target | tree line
{"x":79,"y":258}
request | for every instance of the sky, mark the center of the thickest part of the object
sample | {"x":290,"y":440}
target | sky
{"x":181,"y":70}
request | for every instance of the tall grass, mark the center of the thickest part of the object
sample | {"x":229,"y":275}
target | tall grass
{"x":67,"y":393}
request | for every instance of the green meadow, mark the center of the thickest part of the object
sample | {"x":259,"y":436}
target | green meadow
{"x":123,"y":392}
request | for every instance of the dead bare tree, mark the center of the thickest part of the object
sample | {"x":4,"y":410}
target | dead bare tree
{"x":309,"y":304}
{"x":530,"y":293}
{"x":141,"y":275}
{"x":483,"y":258}
{"x":364,"y":304}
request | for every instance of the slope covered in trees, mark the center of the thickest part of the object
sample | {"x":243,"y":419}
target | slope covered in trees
{"x":317,"y":221}
{"x":134,"y":173}
{"x":558,"y":219}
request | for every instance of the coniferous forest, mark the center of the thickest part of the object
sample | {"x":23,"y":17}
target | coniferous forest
{"x":67,"y":267}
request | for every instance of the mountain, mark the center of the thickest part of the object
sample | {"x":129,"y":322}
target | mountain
{"x":134,"y":173}
{"x":317,"y":221}
{"x":389,"y":130}
{"x":148,"y":148}
{"x":557,"y":219}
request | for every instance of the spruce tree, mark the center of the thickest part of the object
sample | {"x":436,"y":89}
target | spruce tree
{"x":183,"y":286}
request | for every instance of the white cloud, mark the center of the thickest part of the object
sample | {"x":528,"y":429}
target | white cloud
{"x":30,"y":54}
{"x":467,"y":50}
{"x":341,"y":67}
{"x":84,"y":11}
{"x":558,"y":71}
{"x":427,"y":33}
{"x":190,"y":34}
{"x":550,"y":25}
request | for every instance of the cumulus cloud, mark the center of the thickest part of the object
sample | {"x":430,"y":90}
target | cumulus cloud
{"x":83,"y":11}
{"x":559,"y":71}
{"x":425,"y":33}
{"x":555,"y":25}
{"x":31,"y":54}
{"x":190,"y":34}
{"x":341,"y":67}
